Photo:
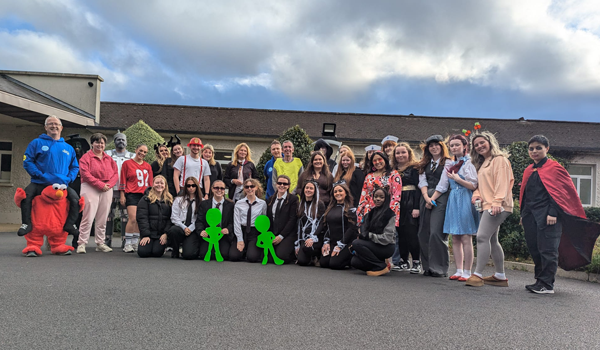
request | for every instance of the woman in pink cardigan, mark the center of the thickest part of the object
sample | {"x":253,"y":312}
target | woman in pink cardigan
{"x":99,"y":174}
{"x":495,"y":181}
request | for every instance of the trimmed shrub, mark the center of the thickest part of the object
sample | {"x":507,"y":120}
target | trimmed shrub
{"x":512,"y":237}
{"x":302,"y":148}
{"x":141,"y":133}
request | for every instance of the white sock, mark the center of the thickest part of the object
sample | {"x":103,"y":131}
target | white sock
{"x":478,"y":274}
{"x":128,"y":238}
{"x":466,"y":273}
{"x":459,"y":272}
{"x":500,"y":276}
{"x":136,"y":238}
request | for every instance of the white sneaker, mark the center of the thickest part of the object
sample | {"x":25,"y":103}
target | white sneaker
{"x":128,"y":248}
{"x":103,"y":248}
{"x":135,"y":245}
{"x":81,"y":249}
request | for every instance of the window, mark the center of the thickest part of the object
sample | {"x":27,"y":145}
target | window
{"x":223,"y":157}
{"x":583,"y":179}
{"x":5,"y":161}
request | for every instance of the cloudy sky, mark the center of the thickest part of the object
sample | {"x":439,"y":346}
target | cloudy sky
{"x":536,"y":59}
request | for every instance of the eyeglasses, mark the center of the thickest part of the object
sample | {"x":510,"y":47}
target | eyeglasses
{"x":249,"y":186}
{"x":53,"y":124}
{"x":191,"y":185}
{"x":219,"y":188}
{"x":283,"y":184}
{"x":537,"y":148}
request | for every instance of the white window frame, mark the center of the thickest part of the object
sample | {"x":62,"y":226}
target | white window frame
{"x":577,"y":179}
{"x":11,"y":159}
{"x":224,"y":161}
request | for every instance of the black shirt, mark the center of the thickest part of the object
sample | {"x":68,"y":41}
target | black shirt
{"x":536,"y":199}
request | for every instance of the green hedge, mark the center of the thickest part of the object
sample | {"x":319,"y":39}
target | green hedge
{"x":141,"y":133}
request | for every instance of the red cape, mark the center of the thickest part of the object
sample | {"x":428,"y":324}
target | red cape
{"x":579,"y":234}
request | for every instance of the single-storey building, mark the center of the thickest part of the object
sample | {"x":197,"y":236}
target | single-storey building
{"x":26,"y":98}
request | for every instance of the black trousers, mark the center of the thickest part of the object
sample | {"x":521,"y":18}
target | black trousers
{"x":285,"y":250}
{"x":340,"y":261}
{"x":190,"y":245}
{"x":306,"y":254}
{"x":152,"y":250}
{"x":542,"y":242}
{"x":370,"y":256}
{"x":224,"y":248}
{"x":32,"y":190}
{"x":251,"y":252}
{"x":408,"y":241}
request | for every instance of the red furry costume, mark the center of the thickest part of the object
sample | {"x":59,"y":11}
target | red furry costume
{"x":48,"y":215}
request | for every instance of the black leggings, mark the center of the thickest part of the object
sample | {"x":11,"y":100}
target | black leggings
{"x":151,"y":250}
{"x":190,"y":244}
{"x":338,"y":262}
{"x":408,"y":241}
{"x":250,"y":252}
{"x":370,"y":256}
{"x":306,"y":254}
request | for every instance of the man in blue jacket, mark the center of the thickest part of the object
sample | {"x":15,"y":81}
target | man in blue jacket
{"x":50,"y":160}
{"x":268,"y":171}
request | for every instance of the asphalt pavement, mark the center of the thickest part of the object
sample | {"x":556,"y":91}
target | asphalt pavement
{"x":120,"y":301}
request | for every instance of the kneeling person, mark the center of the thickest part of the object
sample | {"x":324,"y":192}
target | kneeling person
{"x":154,"y":219}
{"x":217,"y":200}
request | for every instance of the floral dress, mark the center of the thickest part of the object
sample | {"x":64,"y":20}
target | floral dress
{"x":392,"y":182}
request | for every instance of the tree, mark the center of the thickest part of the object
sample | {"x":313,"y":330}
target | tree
{"x":141,"y":133}
{"x":302,"y":149}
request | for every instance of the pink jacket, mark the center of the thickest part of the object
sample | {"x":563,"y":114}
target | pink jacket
{"x":98,"y":172}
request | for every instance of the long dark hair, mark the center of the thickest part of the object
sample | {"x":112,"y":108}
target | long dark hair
{"x":274,"y":196}
{"x":309,"y":171}
{"x":427,"y":156}
{"x":187,"y":197}
{"x":314,"y":208}
{"x":388,"y":167}
{"x":348,"y":203}
{"x":456,"y":167}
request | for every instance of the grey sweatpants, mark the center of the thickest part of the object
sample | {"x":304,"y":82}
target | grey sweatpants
{"x":487,"y":241}
{"x":434,"y":242}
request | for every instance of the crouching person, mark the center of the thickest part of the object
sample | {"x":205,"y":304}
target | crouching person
{"x":154,"y":219}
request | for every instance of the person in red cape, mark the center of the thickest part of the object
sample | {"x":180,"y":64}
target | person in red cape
{"x":556,"y":228}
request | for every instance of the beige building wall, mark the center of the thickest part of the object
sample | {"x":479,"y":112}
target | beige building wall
{"x":594,"y":161}
{"x":73,"y":89}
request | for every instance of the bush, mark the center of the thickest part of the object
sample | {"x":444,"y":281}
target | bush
{"x":302,"y":149}
{"x":141,"y":133}
{"x":512,"y":236}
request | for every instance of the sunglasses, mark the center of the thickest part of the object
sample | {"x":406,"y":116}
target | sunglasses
{"x":191,"y":185}
{"x":537,"y":148}
{"x":249,"y":186}
{"x":219,"y":188}
{"x":283,"y":183}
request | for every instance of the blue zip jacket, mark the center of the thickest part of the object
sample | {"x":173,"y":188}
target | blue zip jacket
{"x":50,"y":161}
{"x":268,"y":171}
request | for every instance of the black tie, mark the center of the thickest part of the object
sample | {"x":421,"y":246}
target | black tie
{"x":433,"y":166}
{"x":188,"y":217}
{"x":249,"y":217}
{"x":278,"y":206}
{"x":218,"y":206}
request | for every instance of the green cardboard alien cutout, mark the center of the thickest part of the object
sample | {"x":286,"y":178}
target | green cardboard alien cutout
{"x":265,"y":239}
{"x":213,"y":218}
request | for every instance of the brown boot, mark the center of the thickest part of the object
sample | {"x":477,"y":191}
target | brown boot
{"x":474,"y":281}
{"x":379,"y":273}
{"x":493,"y":281}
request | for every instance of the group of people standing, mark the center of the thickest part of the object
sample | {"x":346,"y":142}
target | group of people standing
{"x":391,"y":212}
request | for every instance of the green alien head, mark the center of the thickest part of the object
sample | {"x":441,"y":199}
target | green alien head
{"x":262,"y":223}
{"x":213,"y":217}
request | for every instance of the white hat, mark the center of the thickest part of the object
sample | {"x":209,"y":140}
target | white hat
{"x":389,"y":138}
{"x":373,"y":148}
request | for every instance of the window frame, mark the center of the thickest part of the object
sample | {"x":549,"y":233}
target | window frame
{"x":11,"y":153}
{"x":577,"y":182}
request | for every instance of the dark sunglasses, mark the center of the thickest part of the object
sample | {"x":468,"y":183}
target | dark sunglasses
{"x":219,"y":188}
{"x":191,"y":185}
{"x":283,"y":183}
{"x":537,"y":148}
{"x":249,"y":186}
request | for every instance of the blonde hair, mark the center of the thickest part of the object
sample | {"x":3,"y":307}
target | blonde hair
{"x":164,"y":196}
{"x":257,"y":185}
{"x":212,"y":159}
{"x":348,"y":176}
{"x":477,"y":159}
{"x":235,"y":152}
{"x":412,"y":159}
{"x":159,"y":159}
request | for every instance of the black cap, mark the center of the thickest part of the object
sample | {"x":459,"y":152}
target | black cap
{"x":434,"y":138}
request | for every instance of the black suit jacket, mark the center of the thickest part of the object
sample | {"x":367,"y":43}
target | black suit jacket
{"x":287,"y":217}
{"x":226,"y":217}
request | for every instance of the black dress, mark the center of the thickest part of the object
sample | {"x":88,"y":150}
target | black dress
{"x":338,"y":228}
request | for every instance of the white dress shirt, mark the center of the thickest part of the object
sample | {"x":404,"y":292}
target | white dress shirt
{"x":240,"y":214}
{"x":179,"y":213}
